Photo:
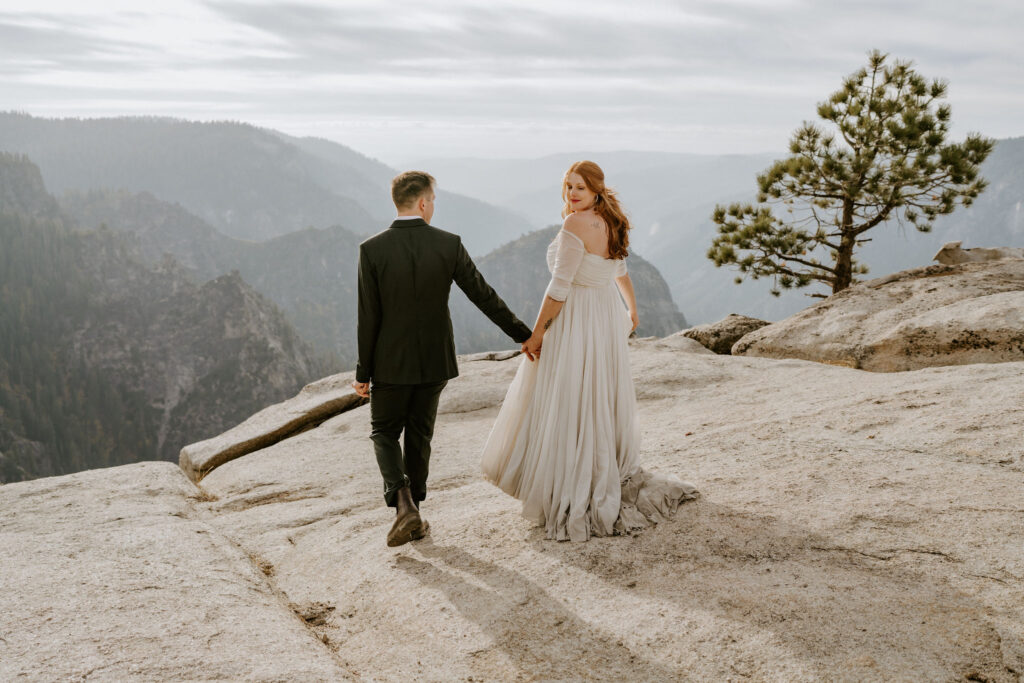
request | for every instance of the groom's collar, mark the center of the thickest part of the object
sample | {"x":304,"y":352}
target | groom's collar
{"x":408,"y":222}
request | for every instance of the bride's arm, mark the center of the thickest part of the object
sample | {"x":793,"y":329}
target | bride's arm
{"x":625,"y":285}
{"x":568,"y":256}
{"x":549,"y":310}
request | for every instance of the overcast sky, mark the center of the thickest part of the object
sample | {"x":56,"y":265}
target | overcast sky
{"x":494,"y":78}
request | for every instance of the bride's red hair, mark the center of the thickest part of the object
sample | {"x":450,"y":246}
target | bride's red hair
{"x":606,"y":205}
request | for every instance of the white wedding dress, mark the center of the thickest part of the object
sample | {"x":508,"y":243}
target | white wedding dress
{"x":566,"y":440}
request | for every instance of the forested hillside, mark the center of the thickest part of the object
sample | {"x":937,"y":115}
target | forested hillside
{"x":310,"y":274}
{"x":105,"y":360}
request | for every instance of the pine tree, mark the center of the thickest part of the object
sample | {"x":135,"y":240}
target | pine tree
{"x":881,"y":156}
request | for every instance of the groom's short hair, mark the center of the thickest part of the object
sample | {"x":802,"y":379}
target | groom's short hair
{"x":407,"y":187}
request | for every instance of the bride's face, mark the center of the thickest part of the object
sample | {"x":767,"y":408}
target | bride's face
{"x":580,"y":196}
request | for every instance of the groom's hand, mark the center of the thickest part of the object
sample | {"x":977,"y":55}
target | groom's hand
{"x":362,"y":388}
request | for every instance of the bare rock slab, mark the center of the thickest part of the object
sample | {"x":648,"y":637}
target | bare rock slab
{"x":925,"y":317}
{"x":852,"y":526}
{"x":318,"y":401}
{"x":720,"y":336}
{"x":113,"y":574}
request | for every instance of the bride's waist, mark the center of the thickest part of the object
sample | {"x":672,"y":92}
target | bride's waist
{"x":592,"y":284}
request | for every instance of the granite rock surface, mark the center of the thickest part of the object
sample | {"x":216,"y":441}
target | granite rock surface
{"x":851,"y":526}
{"x":926,"y":317}
{"x":720,"y":336}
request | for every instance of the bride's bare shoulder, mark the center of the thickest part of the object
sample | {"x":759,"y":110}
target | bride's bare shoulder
{"x":573,"y":220}
{"x":573,"y":225}
{"x":583,"y":225}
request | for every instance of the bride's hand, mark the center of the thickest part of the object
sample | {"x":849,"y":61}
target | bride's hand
{"x":636,"y":321}
{"x":531,"y":347}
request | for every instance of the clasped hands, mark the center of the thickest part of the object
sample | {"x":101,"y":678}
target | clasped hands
{"x":531,"y":347}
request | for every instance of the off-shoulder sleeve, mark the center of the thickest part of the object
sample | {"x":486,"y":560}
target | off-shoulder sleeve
{"x":620,"y":269}
{"x":568,"y":257}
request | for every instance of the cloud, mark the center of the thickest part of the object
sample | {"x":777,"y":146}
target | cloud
{"x":34,"y":42}
{"x":506,"y":76}
{"x":497,"y":40}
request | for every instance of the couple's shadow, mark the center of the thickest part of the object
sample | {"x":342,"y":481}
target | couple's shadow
{"x":538,"y":634}
{"x":828,"y":608}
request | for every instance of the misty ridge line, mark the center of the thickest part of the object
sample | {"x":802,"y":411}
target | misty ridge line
{"x":668,"y":196}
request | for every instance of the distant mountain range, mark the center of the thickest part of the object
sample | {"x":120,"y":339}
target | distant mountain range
{"x":247,"y":182}
{"x":670,"y":198}
{"x":240,"y":179}
{"x":212,"y":222}
{"x":133,"y":325}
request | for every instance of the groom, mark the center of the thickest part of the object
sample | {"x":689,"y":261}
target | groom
{"x":406,"y":346}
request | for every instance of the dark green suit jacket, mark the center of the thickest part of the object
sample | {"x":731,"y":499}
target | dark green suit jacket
{"x":405,"y":329}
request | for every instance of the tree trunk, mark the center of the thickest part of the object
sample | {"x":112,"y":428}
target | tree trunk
{"x":844,"y":257}
{"x":844,"y":274}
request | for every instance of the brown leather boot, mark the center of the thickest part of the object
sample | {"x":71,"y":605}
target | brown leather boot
{"x":408,"y":524}
{"x":424,"y":530}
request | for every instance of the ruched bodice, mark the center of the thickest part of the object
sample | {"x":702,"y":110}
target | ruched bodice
{"x":593,"y":270}
{"x":571,"y":264}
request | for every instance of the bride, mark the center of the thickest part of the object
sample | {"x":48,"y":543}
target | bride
{"x":566,"y":441}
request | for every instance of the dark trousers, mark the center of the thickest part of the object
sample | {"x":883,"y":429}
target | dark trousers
{"x":408,"y":407}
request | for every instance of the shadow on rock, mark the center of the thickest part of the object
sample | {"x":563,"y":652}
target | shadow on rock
{"x":533,"y":629}
{"x":842,"y":611}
